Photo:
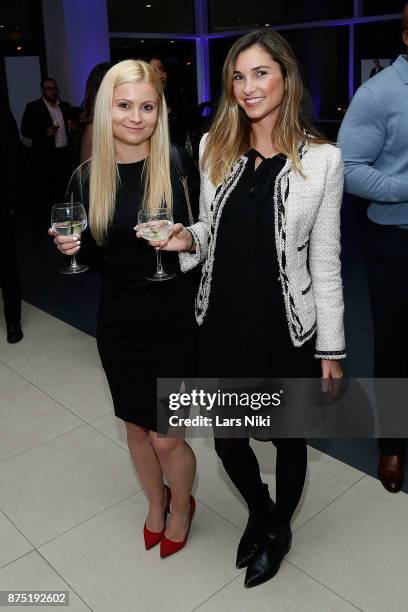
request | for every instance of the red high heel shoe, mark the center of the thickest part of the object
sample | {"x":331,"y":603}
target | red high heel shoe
{"x":169,"y":547}
{"x":151,"y":538}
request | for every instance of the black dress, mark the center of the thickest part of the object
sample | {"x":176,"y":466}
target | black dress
{"x":145,"y":329}
{"x":245,"y":332}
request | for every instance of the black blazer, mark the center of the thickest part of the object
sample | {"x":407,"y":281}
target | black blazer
{"x":37,"y":119}
{"x":11,"y":175}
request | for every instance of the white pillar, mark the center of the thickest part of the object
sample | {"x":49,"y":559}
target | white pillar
{"x":76,"y":39}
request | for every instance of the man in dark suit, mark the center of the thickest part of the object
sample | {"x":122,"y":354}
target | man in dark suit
{"x":10,"y":190}
{"x":46,"y":122}
{"x":376,"y":68}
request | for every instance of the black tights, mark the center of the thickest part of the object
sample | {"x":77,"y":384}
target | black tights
{"x":242,"y":467}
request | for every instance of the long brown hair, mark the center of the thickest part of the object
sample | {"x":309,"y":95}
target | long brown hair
{"x":229,"y":136}
{"x":93,"y":83}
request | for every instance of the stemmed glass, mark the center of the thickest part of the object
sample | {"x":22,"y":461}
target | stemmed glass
{"x":156,"y":224}
{"x":69,"y":219}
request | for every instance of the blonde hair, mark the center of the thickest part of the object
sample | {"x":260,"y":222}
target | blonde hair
{"x":230,"y":134}
{"x":104,"y":175}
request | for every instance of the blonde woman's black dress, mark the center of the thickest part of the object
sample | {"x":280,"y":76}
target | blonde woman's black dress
{"x":145,"y":329}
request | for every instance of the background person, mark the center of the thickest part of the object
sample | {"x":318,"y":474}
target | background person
{"x":179,"y":110}
{"x":376,"y":68}
{"x":93,"y":83}
{"x":373,"y":139}
{"x":46,"y":122}
{"x":10,"y":193}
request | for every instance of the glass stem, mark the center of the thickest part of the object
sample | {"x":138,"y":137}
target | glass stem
{"x":159,"y":263}
{"x":73,"y":262}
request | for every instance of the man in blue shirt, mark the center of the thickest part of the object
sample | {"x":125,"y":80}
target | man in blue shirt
{"x":374,"y":143}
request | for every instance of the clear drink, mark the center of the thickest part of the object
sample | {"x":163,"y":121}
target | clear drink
{"x":69,"y":228}
{"x":69,"y":219}
{"x":157,"y":230}
{"x":155,"y":225}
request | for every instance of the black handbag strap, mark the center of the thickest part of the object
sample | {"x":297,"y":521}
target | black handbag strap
{"x":182,"y":175}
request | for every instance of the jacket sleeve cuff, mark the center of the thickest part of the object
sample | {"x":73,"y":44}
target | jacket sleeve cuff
{"x":331,"y":354}
{"x":188,"y":260}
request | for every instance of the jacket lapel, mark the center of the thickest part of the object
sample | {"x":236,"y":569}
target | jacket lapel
{"x":280,"y":202}
{"x":216,"y":208}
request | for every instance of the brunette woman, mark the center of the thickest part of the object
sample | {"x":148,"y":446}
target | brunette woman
{"x":93,"y":83}
{"x":270,"y":302}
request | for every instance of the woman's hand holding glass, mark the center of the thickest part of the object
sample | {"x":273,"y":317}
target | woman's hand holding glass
{"x":68,"y":221}
{"x":180,"y":239}
{"x":156,"y":226}
{"x":68,"y":245}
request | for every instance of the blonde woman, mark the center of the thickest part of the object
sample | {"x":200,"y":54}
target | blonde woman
{"x":270,"y":301}
{"x":145,"y":329}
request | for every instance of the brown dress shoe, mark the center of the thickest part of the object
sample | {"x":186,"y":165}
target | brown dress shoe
{"x":391,"y":472}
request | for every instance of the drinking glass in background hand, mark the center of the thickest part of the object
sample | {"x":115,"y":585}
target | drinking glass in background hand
{"x":156,"y":224}
{"x":69,"y":220}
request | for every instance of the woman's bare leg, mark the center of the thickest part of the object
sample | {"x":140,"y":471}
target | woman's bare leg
{"x":178,"y":463}
{"x":149,"y":472}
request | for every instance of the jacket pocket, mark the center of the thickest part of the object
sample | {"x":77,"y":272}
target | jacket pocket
{"x":308,"y":288}
{"x":307,"y":294}
{"x":303,"y":246}
{"x":302,"y":253}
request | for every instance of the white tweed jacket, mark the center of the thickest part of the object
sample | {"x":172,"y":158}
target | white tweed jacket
{"x":307,"y":235}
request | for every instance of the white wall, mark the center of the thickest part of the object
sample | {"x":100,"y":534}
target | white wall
{"x":23,"y":82}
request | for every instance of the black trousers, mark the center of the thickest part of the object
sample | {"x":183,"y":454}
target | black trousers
{"x":242,"y":467}
{"x":388,"y":286}
{"x":9,"y":276}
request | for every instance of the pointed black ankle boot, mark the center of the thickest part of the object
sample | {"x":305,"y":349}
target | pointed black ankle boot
{"x":254,"y":528}
{"x":14,"y":333}
{"x":274,"y":544}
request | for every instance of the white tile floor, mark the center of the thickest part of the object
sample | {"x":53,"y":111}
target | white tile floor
{"x":71,"y":508}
